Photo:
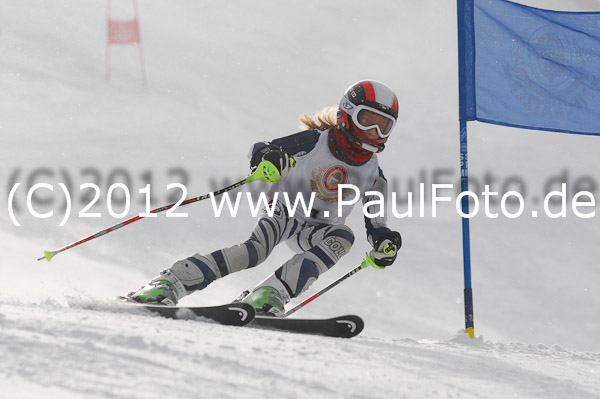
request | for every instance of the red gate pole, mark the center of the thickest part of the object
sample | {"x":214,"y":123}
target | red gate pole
{"x":107,"y":42}
{"x":140,"y":48}
{"x":124,"y":32}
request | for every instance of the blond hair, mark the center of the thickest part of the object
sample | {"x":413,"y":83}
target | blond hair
{"x":323,"y":120}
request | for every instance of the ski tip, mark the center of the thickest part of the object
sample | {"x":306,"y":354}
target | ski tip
{"x":246,"y":313}
{"x":232,"y":314}
{"x":349,"y":326}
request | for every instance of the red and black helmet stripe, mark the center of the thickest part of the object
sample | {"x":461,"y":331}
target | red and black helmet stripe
{"x":369,"y":91}
{"x":364,"y":92}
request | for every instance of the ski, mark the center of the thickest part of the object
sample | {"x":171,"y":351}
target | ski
{"x":232,"y":314}
{"x":242,"y":314}
{"x":340,"y":327}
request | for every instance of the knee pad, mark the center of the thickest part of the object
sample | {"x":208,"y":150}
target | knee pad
{"x":338,"y":241}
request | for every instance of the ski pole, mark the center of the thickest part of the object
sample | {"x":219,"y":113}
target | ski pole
{"x":368,"y":261}
{"x":265,"y":171}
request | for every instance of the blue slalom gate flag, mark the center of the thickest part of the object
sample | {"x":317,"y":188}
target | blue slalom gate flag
{"x":527,"y":67}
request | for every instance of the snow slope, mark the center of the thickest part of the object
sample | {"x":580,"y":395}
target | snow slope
{"x":96,"y":353}
{"x":222,"y":76}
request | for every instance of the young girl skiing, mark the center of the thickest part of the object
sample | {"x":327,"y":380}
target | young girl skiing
{"x":339,"y":146}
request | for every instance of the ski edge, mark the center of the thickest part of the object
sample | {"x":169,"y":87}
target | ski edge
{"x":346,"y":326}
{"x":230,"y":314}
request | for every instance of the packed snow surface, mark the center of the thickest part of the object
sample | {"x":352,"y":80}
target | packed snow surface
{"x":99,"y":350}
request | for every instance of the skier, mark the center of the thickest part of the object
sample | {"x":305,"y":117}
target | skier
{"x":338,"y":146}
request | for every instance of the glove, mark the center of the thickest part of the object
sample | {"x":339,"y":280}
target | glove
{"x":276,"y":155}
{"x":386,"y":248}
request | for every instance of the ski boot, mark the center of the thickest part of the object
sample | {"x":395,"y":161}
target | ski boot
{"x":269,"y":297}
{"x":164,"y":289}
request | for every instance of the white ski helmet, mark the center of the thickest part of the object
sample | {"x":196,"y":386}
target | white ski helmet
{"x":367,"y":105}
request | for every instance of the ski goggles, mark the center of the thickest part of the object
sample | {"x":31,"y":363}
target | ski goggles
{"x":365,"y":118}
